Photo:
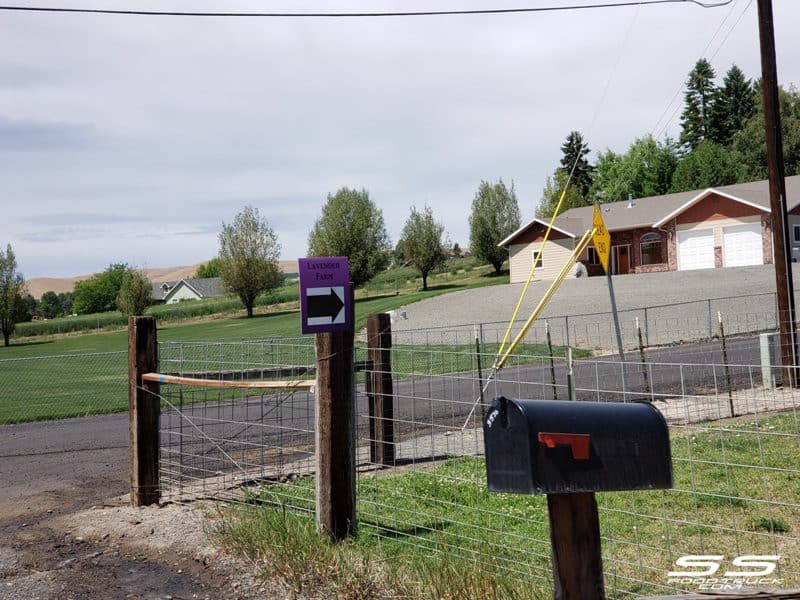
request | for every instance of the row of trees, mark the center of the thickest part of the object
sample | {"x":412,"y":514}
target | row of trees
{"x":350,"y":225}
{"x":721,"y":143}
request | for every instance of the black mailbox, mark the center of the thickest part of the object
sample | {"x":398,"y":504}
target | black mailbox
{"x":554,"y":447}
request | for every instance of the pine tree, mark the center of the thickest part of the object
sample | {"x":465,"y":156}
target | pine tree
{"x":696,"y":118}
{"x":575,"y":151}
{"x":734,"y":104}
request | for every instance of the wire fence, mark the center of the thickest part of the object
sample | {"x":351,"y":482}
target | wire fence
{"x":660,"y":325}
{"x":735,"y":450}
{"x":58,"y":387}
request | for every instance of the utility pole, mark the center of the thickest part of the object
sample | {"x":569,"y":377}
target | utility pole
{"x":777,"y":195}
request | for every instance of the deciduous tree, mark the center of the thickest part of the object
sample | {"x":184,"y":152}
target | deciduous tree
{"x":495,"y":215}
{"x":99,"y":292}
{"x":12,"y":292}
{"x":749,"y":145}
{"x":135,"y":295}
{"x":249,"y":252}
{"x":553,"y":189}
{"x":212,"y":268}
{"x":352,"y":225}
{"x":646,"y":169}
{"x":708,"y":165}
{"x":423,"y":242}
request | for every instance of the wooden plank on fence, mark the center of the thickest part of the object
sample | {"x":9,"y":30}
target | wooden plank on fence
{"x":144,"y":406}
{"x":278,"y":385}
{"x":335,"y":424}
{"x":380,"y":391}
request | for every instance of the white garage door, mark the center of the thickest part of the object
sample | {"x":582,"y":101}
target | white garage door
{"x":696,"y":249}
{"x":741,"y":245}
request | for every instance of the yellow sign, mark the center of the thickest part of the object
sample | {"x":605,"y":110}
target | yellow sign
{"x":601,"y":238}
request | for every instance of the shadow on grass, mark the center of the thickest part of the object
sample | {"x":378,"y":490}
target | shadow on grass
{"x":18,"y":344}
{"x":493,"y":275}
{"x":381,"y":530}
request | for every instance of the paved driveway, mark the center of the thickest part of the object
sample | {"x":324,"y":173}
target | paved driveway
{"x":671,"y":307}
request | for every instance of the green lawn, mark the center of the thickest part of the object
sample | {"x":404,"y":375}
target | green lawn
{"x":737,"y":490}
{"x":83,"y":374}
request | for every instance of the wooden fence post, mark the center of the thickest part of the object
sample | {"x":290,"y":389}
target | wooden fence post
{"x":575,"y":543}
{"x":380,"y":392}
{"x":144,"y":407}
{"x":335,"y":424}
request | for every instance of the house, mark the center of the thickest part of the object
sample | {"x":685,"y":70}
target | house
{"x":727,"y":226}
{"x":170,"y":292}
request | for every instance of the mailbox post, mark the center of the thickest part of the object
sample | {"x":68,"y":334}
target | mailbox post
{"x":569,"y":451}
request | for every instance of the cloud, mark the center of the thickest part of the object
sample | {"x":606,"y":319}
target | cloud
{"x":133,"y":139}
{"x":38,"y":136}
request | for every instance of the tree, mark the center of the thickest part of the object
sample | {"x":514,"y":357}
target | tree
{"x":456,"y":252}
{"x":249,"y":252}
{"x":749,"y":145}
{"x":734,"y":103}
{"x":645,"y":170}
{"x":99,"y":292}
{"x":423,"y":243}
{"x":574,"y":161}
{"x":12,"y":291}
{"x":65,"y":298}
{"x":708,"y":165}
{"x":135,"y":294}
{"x":49,"y":305}
{"x":495,"y":215}
{"x":212,"y":268}
{"x":352,"y":225}
{"x":698,"y":101}
{"x":553,"y":189}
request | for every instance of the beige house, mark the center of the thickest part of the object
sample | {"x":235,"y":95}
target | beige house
{"x":728,"y":226}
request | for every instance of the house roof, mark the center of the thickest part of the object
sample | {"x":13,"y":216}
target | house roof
{"x":654,"y":211}
{"x":161,"y":289}
{"x":204,"y":288}
{"x":535,"y":220}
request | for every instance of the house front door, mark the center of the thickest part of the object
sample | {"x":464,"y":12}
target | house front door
{"x":620,"y":257}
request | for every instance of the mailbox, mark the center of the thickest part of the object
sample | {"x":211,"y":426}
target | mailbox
{"x":554,"y":447}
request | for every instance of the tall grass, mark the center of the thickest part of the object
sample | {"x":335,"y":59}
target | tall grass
{"x":436,"y":531}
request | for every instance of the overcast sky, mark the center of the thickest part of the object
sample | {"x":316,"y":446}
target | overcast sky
{"x":131,"y":139}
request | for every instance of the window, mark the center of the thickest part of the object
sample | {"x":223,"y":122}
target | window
{"x":594,"y":257}
{"x":538,"y":264}
{"x":650,"y":248}
{"x":797,"y":233}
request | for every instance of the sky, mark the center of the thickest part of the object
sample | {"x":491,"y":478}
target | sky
{"x":132,"y":139}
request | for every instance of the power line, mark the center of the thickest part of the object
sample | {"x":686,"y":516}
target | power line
{"x":333,"y":15}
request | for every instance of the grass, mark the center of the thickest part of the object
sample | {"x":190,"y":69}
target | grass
{"x":85,"y":374}
{"x":424,"y":533}
{"x":457,"y":273}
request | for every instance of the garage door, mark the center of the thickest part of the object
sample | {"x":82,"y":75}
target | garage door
{"x":696,"y":249}
{"x":741,"y":245}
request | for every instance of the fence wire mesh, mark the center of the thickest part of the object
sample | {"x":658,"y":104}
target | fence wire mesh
{"x":735,"y":438}
{"x":57,"y":387}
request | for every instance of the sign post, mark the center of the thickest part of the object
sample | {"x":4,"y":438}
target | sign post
{"x":602,"y":244}
{"x":326,"y":309}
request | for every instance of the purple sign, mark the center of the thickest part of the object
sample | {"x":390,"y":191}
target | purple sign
{"x":325,"y":303}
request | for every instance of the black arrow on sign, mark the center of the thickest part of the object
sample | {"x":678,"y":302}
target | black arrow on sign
{"x":325,"y":305}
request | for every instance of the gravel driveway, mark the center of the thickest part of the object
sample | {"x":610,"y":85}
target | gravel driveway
{"x":678,"y":307}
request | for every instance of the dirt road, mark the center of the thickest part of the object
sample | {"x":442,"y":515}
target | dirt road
{"x":67,"y":531}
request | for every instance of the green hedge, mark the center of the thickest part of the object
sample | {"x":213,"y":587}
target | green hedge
{"x":163,"y":312}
